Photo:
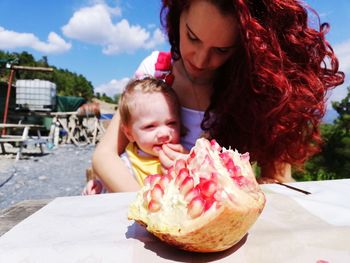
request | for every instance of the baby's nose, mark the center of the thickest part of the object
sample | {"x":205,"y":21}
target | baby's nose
{"x":163,"y":137}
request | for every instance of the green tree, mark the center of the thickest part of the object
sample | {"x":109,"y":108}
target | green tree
{"x":116,"y":98}
{"x":106,"y":98}
{"x":67,"y":83}
{"x":333,"y":162}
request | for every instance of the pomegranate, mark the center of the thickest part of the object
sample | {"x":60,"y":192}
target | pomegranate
{"x":205,"y":203}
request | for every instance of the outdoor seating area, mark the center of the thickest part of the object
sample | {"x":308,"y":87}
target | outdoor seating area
{"x":32,"y":114}
{"x":63,"y":128}
{"x":72,"y":127}
{"x":19,"y":135}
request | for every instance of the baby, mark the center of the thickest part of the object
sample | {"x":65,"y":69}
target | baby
{"x":150,"y":117}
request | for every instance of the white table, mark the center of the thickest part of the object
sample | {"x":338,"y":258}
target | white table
{"x":293,"y":227}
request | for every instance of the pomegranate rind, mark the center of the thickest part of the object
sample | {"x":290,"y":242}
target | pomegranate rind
{"x":220,"y":227}
{"x":221,"y":232}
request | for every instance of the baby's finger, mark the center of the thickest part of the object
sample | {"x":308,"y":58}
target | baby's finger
{"x":177,"y":148}
{"x":164,"y":170}
{"x":171,"y":153}
{"x":164,"y":159}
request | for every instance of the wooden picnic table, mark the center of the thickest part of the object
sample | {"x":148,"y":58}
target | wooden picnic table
{"x":79,"y":129}
{"x":20,"y":134}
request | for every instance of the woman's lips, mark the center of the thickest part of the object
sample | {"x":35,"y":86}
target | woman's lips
{"x":194,"y":71}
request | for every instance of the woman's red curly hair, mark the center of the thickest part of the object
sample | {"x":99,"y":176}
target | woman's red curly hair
{"x":269,"y":99}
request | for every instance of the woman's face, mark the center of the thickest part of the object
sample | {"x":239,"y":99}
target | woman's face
{"x":207,"y":39}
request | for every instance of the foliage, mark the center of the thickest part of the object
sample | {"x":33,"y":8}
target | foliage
{"x":67,"y":83}
{"x":333,"y":162}
{"x":108,"y":99}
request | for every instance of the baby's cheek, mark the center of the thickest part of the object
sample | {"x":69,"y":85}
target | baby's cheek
{"x":175,"y":137}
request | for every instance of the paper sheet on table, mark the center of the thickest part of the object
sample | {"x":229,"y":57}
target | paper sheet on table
{"x":96,"y":229}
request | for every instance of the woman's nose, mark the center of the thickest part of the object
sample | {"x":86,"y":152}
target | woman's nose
{"x":201,"y":58}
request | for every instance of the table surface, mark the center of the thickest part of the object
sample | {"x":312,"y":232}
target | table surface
{"x":294,"y":227}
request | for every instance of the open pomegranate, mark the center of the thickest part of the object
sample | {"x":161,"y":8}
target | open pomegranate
{"x":206,"y":202}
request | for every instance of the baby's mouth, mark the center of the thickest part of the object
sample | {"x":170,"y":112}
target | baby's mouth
{"x":157,"y":147}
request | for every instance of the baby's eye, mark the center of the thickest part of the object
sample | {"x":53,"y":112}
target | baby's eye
{"x":148,"y":127}
{"x":172,"y":123}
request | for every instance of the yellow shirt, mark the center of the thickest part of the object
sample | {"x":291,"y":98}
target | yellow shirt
{"x":142,"y":166}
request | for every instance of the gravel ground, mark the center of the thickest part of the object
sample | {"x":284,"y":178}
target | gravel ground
{"x":59,"y":172}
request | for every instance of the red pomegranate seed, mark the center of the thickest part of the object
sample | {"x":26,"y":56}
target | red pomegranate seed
{"x":194,"y":192}
{"x":183,"y":173}
{"x":165,"y":180}
{"x":152,"y":179}
{"x":225,"y":156}
{"x":215,"y":145}
{"x":171,"y":172}
{"x":157,"y":192}
{"x":186,"y":185}
{"x":208,"y":203}
{"x":180,"y":164}
{"x":240,"y":180}
{"x":208,"y":188}
{"x":205,"y":176}
{"x":153,"y":206}
{"x":196,"y":207}
{"x":237,"y":170}
{"x":230,"y":164}
{"x":191,"y":157}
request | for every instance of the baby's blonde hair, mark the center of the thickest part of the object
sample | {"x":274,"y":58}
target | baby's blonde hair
{"x":145,"y":85}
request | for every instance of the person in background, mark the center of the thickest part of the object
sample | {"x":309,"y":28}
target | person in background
{"x":150,"y":117}
{"x":251,"y":74}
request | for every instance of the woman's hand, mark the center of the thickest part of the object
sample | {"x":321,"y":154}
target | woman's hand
{"x":169,"y":153}
{"x":276,"y":172}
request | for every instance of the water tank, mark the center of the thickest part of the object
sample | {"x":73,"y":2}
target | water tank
{"x":35,"y":94}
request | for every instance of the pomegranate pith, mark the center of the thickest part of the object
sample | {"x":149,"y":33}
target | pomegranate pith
{"x":213,"y":190}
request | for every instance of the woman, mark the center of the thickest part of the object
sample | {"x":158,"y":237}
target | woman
{"x":254,"y":74}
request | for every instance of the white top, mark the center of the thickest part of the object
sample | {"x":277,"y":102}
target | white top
{"x":191,"y":119}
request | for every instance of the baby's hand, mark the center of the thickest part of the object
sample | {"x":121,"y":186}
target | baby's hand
{"x":169,"y":153}
{"x":93,"y":187}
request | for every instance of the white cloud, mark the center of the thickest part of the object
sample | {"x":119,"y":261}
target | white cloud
{"x":11,"y":40}
{"x":113,"y":87}
{"x":95,"y":25}
{"x":342,"y":51}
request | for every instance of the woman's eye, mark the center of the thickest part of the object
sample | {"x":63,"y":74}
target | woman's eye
{"x":191,"y":36}
{"x":222,"y":50}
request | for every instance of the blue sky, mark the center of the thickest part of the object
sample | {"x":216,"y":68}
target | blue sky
{"x":106,"y":40}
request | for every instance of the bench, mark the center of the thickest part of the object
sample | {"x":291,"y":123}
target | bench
{"x":7,"y":135}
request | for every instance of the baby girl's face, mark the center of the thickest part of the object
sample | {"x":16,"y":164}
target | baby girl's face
{"x":154,"y":122}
